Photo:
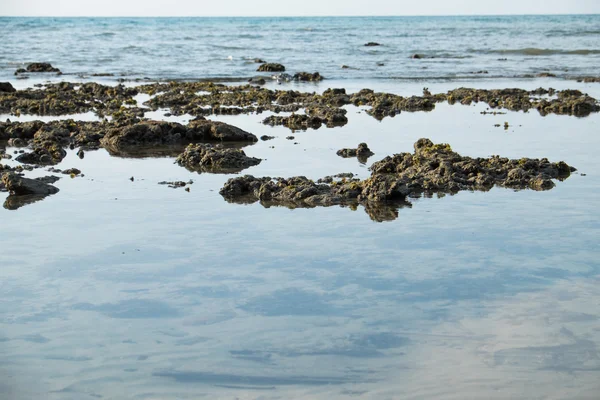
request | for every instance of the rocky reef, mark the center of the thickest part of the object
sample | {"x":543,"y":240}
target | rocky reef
{"x":431,"y":169}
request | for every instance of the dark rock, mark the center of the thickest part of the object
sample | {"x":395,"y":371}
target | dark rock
{"x":362,"y":152}
{"x":71,"y":171}
{"x":432,"y":168}
{"x":257,"y":80}
{"x":266,"y":137}
{"x":215,"y":158}
{"x":7,"y":87}
{"x":18,"y":185}
{"x":259,"y":61}
{"x":218,"y":132}
{"x":271,"y":67}
{"x":307,"y":77}
{"x":41,"y":67}
{"x":176,"y":184}
{"x":417,"y":56}
{"x":372,"y":44}
{"x":546,"y":75}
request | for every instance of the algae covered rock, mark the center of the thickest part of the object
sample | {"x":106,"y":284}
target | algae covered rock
{"x":204,"y":157}
{"x":271,"y":67}
{"x":431,"y":169}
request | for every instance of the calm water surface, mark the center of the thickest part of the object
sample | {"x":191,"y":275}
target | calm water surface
{"x":116,"y":289}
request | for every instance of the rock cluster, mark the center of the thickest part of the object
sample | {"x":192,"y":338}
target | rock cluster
{"x":432,"y":168}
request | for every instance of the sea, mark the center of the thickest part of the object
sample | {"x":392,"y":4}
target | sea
{"x":120,"y":288}
{"x":194,"y":48}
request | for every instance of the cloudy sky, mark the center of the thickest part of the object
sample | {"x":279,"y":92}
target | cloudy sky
{"x":286,"y":7}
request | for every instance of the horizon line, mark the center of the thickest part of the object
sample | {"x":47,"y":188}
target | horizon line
{"x":299,"y":16}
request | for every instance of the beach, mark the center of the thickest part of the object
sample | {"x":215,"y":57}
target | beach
{"x":145,"y":277}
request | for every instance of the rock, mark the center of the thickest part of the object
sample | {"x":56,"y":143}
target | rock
{"x":307,"y":77}
{"x":176,"y":184}
{"x":19,"y":186}
{"x":546,"y":75}
{"x":218,"y":132}
{"x":215,"y":158}
{"x":259,"y":61}
{"x":41,"y":67}
{"x":155,"y":133}
{"x":271,"y":67}
{"x":362,"y":152}
{"x":372,"y":44}
{"x":266,"y":137}
{"x":417,"y":56}
{"x":71,"y":171}
{"x":7,"y":87}
{"x":257,"y":80}
{"x":432,"y":168}
{"x":290,"y":138}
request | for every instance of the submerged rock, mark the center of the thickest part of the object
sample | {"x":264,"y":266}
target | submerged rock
{"x":432,"y":168}
{"x":215,"y":158}
{"x":372,"y":44}
{"x":307,"y":77}
{"x":271,"y":67}
{"x":362,"y":152}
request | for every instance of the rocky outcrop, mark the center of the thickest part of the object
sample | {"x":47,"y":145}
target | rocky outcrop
{"x":362,"y":152}
{"x":314,"y":118}
{"x":271,"y":67}
{"x":432,"y":168}
{"x":307,"y":77}
{"x":41,"y":67}
{"x":7,"y":87}
{"x":20,"y":186}
{"x":215,"y":158}
{"x":156,"y":133}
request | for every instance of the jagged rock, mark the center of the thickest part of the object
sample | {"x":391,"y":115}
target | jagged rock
{"x":432,"y":168}
{"x":18,"y":185}
{"x":362,"y":152}
{"x":271,"y":67}
{"x":215,"y":158}
{"x":307,"y":77}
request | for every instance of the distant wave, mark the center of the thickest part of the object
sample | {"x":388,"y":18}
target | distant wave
{"x":532,"y":51}
{"x":562,"y":33}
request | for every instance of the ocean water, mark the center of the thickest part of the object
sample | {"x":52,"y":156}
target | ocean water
{"x":193,"y":48}
{"x":118,"y":289}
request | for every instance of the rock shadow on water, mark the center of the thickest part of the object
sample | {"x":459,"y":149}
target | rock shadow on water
{"x":131,"y":309}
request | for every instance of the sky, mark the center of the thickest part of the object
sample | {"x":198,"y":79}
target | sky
{"x":292,"y":8}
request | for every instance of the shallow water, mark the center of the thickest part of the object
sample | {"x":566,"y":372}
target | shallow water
{"x":118,"y":289}
{"x":452,"y":47}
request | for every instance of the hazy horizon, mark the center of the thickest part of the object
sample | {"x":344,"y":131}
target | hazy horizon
{"x":309,"y":8}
